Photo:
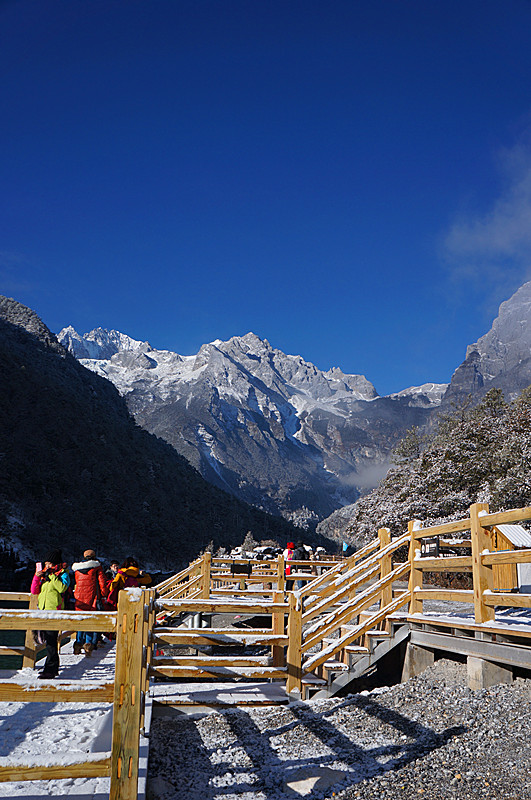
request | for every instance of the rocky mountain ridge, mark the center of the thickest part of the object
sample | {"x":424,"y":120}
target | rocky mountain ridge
{"x":270,"y":428}
{"x":499,"y":359}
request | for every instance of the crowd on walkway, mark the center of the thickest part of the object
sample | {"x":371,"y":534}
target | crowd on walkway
{"x":83,"y":587}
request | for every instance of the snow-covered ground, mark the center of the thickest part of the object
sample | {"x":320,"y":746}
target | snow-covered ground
{"x":59,"y":733}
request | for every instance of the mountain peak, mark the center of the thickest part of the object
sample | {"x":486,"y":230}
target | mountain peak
{"x":500,"y":358}
{"x":99,"y":343}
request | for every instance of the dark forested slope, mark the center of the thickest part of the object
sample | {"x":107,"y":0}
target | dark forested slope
{"x":76,"y":470}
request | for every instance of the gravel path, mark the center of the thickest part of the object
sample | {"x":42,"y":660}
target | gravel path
{"x":431,"y":736}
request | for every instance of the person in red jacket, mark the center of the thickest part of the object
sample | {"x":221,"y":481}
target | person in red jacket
{"x":91,"y":587}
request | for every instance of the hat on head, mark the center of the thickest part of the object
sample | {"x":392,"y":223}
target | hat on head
{"x":290,"y":546}
{"x":54,"y":557}
{"x":89,"y":554}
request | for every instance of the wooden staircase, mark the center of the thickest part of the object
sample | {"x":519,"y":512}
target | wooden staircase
{"x":327,"y":629}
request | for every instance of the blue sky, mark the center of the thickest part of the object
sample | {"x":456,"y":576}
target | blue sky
{"x":350,"y":180}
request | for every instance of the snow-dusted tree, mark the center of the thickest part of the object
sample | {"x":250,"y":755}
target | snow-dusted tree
{"x":475,"y":454}
{"x":249,"y":543}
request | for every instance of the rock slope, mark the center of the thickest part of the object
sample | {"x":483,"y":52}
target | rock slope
{"x":502,"y":357}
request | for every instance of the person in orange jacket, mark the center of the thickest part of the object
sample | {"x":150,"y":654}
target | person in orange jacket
{"x":128,"y":575}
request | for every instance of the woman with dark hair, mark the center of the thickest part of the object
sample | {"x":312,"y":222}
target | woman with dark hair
{"x":127,"y":576}
{"x":50,"y":584}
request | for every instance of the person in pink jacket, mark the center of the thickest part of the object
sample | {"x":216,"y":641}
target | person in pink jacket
{"x":50,"y":584}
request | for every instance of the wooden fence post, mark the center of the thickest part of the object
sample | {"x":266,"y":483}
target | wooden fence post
{"x":384,"y":535}
{"x":205,"y":576}
{"x":281,"y":578}
{"x":294,"y":664}
{"x":197,"y":570}
{"x":30,"y":648}
{"x":415,"y":575}
{"x":278,"y":629}
{"x":482,"y":576}
{"x":128,"y":687}
{"x":147,"y":647}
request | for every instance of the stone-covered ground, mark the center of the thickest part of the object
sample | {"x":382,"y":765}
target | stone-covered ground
{"x":431,"y":736}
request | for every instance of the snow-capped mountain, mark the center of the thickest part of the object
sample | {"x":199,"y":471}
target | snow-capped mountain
{"x":271,"y":428}
{"x":427,"y":395}
{"x":99,"y":343}
{"x":502,"y":357}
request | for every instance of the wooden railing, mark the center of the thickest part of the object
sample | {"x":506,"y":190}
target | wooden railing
{"x":339,"y":597}
{"x":479,"y":526}
{"x":131,"y":623}
{"x":30,"y":650}
{"x":205,"y":665}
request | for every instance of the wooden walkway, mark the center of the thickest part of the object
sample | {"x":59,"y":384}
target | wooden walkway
{"x":222,"y":633}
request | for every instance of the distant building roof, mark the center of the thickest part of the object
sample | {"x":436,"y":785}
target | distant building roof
{"x":516,"y":535}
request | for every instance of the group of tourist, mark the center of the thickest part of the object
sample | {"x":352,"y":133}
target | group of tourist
{"x":92,"y":589}
{"x":296,"y":552}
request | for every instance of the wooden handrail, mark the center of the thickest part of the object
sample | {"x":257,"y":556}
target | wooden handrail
{"x":15,"y":597}
{"x":15,"y":620}
{"x":316,"y":632}
{"x":176,"y":579}
{"x":445,"y":563}
{"x":480,"y":562}
{"x":350,"y":579}
{"x":506,"y":517}
{"x":359,"y":630}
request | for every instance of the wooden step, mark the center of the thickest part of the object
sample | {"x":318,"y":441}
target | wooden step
{"x":309,"y":679}
{"x":219,"y":636}
{"x":334,"y":666}
{"x":211,"y":661}
{"x":205,"y":671}
{"x":311,"y":683}
{"x":217,"y":694}
{"x":251,"y":701}
{"x":308,"y":665}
